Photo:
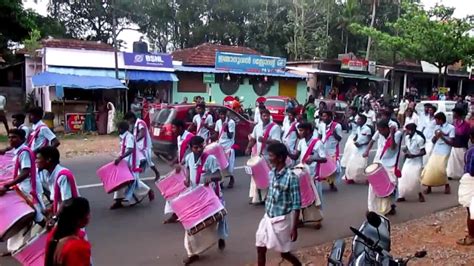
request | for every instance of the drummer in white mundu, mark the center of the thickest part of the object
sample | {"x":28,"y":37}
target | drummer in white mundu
{"x":202,"y":122}
{"x":290,"y":131}
{"x":225,"y":130}
{"x":263,"y":134}
{"x":357,"y":162}
{"x":24,"y":158}
{"x":310,"y":152}
{"x":388,"y":140}
{"x":330,"y":132}
{"x":202,"y":168}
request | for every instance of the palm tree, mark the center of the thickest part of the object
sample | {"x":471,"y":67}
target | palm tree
{"x":350,"y":14}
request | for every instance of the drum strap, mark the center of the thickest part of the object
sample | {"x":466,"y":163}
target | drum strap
{"x":200,"y":168}
{"x":266,"y":134}
{"x":225,"y":128}
{"x":329,"y":133}
{"x":387,"y":145}
{"x":134,"y":154}
{"x":203,"y":120}
{"x":31,"y":154}
{"x":292,"y":129}
{"x":57,"y":189}
{"x":34,"y":135}
{"x":184,"y":146}
{"x":309,"y":150}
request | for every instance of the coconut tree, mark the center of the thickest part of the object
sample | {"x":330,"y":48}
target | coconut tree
{"x":349,"y":14}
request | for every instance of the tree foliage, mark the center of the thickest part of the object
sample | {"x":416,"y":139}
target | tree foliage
{"x":433,"y":35}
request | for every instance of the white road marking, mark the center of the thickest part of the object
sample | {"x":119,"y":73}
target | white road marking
{"x":152,"y":177}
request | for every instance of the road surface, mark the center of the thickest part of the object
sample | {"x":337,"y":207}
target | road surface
{"x":136,"y":236}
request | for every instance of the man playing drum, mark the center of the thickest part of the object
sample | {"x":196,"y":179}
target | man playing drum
{"x":40,"y":135}
{"x":183,"y":139}
{"x":388,"y":142}
{"x":225,"y":128}
{"x":349,"y":148}
{"x":137,"y":190}
{"x":278,"y":227}
{"x":202,"y":122}
{"x":414,"y":151}
{"x":310,"y":152}
{"x":62,"y":184}
{"x":25,"y":181}
{"x":357,"y":162}
{"x":263,"y":134}
{"x":290,"y":132}
{"x":202,"y":168}
{"x":434,"y":174}
{"x":143,"y":139}
{"x":330,"y":132}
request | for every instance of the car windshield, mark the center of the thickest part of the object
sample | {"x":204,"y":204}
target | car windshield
{"x":275,"y":103}
{"x":165,"y":116}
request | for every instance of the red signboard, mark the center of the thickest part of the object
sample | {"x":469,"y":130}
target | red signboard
{"x":75,"y":121}
{"x":354,"y":64}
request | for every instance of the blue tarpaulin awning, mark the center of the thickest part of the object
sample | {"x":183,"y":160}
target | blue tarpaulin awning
{"x":136,"y":75}
{"x":75,"y":81}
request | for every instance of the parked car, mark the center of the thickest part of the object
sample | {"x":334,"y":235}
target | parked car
{"x":339,"y":108}
{"x":442,"y":106}
{"x":277,"y":107}
{"x":163,"y":140}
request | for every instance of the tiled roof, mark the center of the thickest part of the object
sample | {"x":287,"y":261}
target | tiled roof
{"x":205,"y":54}
{"x":76,"y":44}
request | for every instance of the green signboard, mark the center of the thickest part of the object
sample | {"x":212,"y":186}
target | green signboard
{"x":209,"y":78}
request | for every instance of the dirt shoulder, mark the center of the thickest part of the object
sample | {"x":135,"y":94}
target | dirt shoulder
{"x":436,"y":233}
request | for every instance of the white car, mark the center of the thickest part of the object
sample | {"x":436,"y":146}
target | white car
{"x":442,"y":106}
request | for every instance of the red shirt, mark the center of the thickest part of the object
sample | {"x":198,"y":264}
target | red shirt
{"x":75,"y":251}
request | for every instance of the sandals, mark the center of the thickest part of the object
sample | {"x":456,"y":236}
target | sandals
{"x":466,"y":241}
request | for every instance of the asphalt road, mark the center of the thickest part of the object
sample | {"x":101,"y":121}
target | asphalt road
{"x":136,"y":236}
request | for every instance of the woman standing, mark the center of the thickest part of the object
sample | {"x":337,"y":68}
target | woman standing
{"x":66,"y":244}
{"x":409,"y":183}
{"x":110,"y":118}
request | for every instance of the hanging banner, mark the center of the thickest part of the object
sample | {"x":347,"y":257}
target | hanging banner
{"x":249,"y":63}
{"x":148,"y":60}
{"x":75,"y":121}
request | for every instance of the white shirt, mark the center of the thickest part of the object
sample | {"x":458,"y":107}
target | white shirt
{"x":26,"y":129}
{"x":440,"y":147}
{"x":364,"y":134}
{"x":371,"y":117}
{"x":25,"y":162}
{"x":318,"y":149}
{"x":3,"y":102}
{"x":353,"y":124}
{"x":429,"y":127}
{"x":224,"y":140}
{"x":210,"y":166}
{"x":256,"y":116}
{"x":403,"y":107}
{"x":412,"y":120}
{"x":414,"y":145}
{"x":330,"y":144}
{"x":141,"y":143}
{"x":203,"y":131}
{"x":290,"y":140}
{"x":390,"y":156}
{"x":259,"y":131}
{"x":62,"y":181}
{"x":129,"y":141}
{"x":45,"y":136}
{"x":180,"y":142}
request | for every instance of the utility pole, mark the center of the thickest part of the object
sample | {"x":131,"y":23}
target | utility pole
{"x":114,"y":38}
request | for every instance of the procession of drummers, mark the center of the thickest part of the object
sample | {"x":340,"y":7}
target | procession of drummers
{"x":291,"y":166}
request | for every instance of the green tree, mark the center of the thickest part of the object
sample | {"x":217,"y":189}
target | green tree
{"x":32,"y":45}
{"x":351,"y":13}
{"x":434,"y":36}
{"x":15,"y":23}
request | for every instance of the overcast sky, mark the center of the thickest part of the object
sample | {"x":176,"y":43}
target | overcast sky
{"x":463,"y":8}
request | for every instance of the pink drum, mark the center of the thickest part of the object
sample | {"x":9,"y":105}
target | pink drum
{"x":7,"y":165}
{"x":379,"y":180}
{"x":171,"y":185}
{"x":195,"y":206}
{"x":258,"y":168}
{"x":16,"y":214}
{"x":328,"y":168}
{"x":33,"y":252}
{"x":217,"y":150}
{"x":115,"y":177}
{"x":308,"y":195}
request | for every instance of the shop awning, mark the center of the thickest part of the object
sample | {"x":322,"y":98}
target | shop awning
{"x":213,"y":70}
{"x":361,"y":76}
{"x":75,"y":81}
{"x":336,"y":73}
{"x":137,"y":75}
{"x":96,"y":72}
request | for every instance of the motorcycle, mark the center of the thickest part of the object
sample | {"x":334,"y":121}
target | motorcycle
{"x":370,"y":245}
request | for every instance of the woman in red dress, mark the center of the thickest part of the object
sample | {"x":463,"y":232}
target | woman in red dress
{"x":66,"y":244}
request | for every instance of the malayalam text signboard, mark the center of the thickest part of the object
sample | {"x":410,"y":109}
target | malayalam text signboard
{"x":354,"y":65}
{"x":75,"y":121}
{"x":148,"y":60}
{"x":249,"y":63}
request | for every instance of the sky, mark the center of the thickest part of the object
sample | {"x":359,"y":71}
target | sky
{"x":463,"y":8}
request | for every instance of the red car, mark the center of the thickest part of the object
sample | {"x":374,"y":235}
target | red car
{"x":277,"y":106}
{"x":163,"y":140}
